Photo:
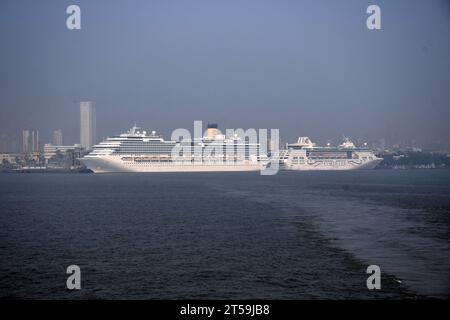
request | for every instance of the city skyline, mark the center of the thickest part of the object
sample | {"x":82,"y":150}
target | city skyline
{"x":265,"y":65}
{"x":88,"y":134}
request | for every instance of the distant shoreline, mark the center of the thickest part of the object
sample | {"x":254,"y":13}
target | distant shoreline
{"x":88,"y":171}
{"x":45,"y":171}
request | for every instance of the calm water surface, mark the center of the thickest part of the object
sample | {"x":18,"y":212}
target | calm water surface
{"x":296,"y":235}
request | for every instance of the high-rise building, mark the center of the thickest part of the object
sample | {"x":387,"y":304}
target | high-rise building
{"x":87,"y":124}
{"x":57,"y":138}
{"x":25,"y":141}
{"x":4,"y":145}
{"x":9,"y":144}
{"x":30,"y":141}
{"x":35,"y":141}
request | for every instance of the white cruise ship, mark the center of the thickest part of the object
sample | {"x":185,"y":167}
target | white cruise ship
{"x":140,"y":151}
{"x":305,"y":155}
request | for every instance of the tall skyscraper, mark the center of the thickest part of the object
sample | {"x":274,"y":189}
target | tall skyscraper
{"x":30,"y":141}
{"x":57,"y":137}
{"x":25,"y":141}
{"x":34,"y":141}
{"x":87,"y":124}
{"x":4,"y":143}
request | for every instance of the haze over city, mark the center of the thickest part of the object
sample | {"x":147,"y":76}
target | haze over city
{"x":305,"y":67}
{"x":225,"y":158}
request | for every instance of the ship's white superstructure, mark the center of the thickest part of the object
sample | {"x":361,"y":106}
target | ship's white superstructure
{"x":305,"y":155}
{"x":140,"y":151}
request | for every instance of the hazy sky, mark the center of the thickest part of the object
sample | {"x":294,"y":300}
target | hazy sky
{"x":305,"y":67}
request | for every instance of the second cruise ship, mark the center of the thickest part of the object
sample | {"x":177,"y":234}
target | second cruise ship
{"x":305,"y":155}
